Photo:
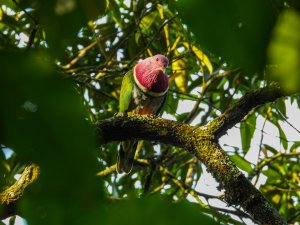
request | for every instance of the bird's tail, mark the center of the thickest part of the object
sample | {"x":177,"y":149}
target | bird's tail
{"x":126,"y":156}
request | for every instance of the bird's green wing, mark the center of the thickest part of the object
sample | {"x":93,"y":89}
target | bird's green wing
{"x":126,"y":91}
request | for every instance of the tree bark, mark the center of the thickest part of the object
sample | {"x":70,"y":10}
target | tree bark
{"x":10,"y":197}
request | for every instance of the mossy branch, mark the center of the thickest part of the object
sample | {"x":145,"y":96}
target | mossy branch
{"x":240,"y":109}
{"x":199,"y":141}
{"x":10,"y":196}
{"x":203,"y":143}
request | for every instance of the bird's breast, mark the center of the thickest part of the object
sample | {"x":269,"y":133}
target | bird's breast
{"x":145,"y":104}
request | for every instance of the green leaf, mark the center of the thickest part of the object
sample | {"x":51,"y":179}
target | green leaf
{"x":182,"y":116}
{"x":147,"y":21}
{"x":296,"y":167}
{"x":247,"y":130}
{"x":283,"y":204}
{"x":115,"y":10}
{"x":271,"y":174}
{"x":241,"y":162}
{"x":282,"y":136}
{"x":298,"y":101}
{"x":282,"y":169}
{"x":171,"y":104}
{"x":271,"y":149}
{"x":295,"y":146}
{"x":280,"y":105}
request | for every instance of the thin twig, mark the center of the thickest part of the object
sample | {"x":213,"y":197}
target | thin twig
{"x":204,"y":89}
{"x":260,"y":146}
{"x":27,"y":13}
{"x":286,"y":120}
{"x":107,"y":171}
{"x":271,"y":159}
{"x":294,"y":217}
{"x":35,"y":28}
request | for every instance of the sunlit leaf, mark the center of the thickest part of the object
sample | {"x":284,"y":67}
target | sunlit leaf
{"x":241,"y":162}
{"x":271,"y":174}
{"x":276,"y":198}
{"x":1,"y":14}
{"x":247,"y":130}
{"x":295,"y":146}
{"x":175,"y":44}
{"x":271,"y":149}
{"x":280,"y":167}
{"x":180,"y":73}
{"x":147,"y":21}
{"x":203,"y":59}
{"x":280,"y":105}
{"x":160,"y":9}
{"x":283,"y":206}
{"x":282,"y":136}
{"x":166,"y":27}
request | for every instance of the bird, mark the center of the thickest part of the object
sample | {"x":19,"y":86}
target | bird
{"x":143,"y":92}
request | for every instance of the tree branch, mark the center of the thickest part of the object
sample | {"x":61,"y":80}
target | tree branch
{"x":240,"y":109}
{"x":10,"y":196}
{"x":203,"y":143}
{"x":199,"y":141}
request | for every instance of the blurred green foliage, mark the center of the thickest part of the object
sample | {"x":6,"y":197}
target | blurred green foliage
{"x":155,"y":211}
{"x":236,"y":30}
{"x":62,"y":63}
{"x":43,"y":122}
{"x":284,"y":51}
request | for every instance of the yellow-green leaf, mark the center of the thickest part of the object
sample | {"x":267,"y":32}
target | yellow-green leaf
{"x":160,"y":9}
{"x":148,"y":20}
{"x":241,"y":163}
{"x":276,"y":198}
{"x":204,"y":60}
{"x":179,"y":68}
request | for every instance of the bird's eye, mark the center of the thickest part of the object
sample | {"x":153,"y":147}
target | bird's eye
{"x":157,"y":59}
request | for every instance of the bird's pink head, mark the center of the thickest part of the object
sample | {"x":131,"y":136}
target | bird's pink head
{"x":150,"y":74}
